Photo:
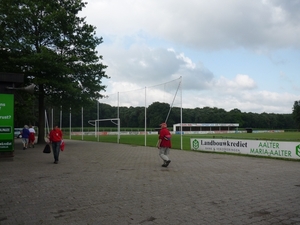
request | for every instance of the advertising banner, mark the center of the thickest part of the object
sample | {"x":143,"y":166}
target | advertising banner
{"x":6,"y":122}
{"x":278,"y":149}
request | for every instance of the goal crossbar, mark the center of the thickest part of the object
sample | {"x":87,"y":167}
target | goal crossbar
{"x":95,"y":123}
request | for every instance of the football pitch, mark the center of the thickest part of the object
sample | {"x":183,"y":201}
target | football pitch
{"x":151,"y":140}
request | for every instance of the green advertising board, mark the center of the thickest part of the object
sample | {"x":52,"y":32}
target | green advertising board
{"x":6,"y":122}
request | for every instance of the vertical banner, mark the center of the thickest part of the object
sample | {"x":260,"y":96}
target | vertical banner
{"x":6,"y":122}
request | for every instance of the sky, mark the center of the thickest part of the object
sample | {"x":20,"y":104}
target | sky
{"x":229,"y":54}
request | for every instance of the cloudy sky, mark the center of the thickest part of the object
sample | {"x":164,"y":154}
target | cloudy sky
{"x":229,"y":53}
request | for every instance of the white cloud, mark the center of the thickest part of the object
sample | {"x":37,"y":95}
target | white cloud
{"x":202,"y":24}
{"x":149,"y":43}
{"x":261,"y":101}
{"x":239,"y":83}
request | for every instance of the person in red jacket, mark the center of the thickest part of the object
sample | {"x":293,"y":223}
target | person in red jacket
{"x":55,"y":138}
{"x":164,"y":144}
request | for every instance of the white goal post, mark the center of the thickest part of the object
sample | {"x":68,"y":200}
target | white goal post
{"x":95,"y":123}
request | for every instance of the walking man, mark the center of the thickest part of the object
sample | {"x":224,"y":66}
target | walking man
{"x":55,"y":138}
{"x":164,"y":144}
{"x":25,"y":137}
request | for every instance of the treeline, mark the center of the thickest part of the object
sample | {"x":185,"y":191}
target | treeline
{"x":158,"y":112}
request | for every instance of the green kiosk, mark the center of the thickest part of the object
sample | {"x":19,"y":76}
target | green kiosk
{"x":8,"y":82}
{"x":6,"y":122}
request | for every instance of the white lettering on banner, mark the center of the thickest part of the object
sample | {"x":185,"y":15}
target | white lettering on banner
{"x":278,"y":149}
{"x":5,"y":143}
{"x":5,"y":117}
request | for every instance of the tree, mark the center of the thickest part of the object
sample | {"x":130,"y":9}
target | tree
{"x":296,"y":112}
{"x":27,"y":102}
{"x":157,"y":113}
{"x":54,"y":49}
{"x":235,"y":116}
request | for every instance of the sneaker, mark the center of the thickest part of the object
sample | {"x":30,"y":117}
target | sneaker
{"x":55,"y":162}
{"x":168,"y":162}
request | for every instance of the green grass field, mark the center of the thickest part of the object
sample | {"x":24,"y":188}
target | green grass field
{"x":139,"y":140}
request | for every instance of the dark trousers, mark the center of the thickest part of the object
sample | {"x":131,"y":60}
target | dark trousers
{"x":56,"y":150}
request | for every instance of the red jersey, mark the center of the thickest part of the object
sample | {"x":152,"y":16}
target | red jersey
{"x":165,"y":137}
{"x":55,"y":135}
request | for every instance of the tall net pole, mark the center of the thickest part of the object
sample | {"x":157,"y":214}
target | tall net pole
{"x":181,"y":147}
{"x":173,"y":102}
{"x":145,"y":116}
{"x":70,"y":123}
{"x":60,"y":117}
{"x":81,"y":123}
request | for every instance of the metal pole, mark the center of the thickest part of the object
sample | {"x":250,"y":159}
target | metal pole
{"x":52,"y":117}
{"x":118,"y":116}
{"x":81,"y":123}
{"x":70,"y":123}
{"x":96,"y":122}
{"x":118,"y":130}
{"x":145,"y":117}
{"x":173,"y":101}
{"x":181,"y":113}
{"x":60,"y":118}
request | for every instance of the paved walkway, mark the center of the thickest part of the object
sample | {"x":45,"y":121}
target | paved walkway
{"x":102,"y":183}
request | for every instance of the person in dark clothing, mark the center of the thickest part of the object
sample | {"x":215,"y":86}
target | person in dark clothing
{"x":25,"y":137}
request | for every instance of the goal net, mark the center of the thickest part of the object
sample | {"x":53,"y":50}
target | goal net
{"x":169,"y":92}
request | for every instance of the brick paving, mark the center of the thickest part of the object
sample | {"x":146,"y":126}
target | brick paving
{"x":103,"y":183}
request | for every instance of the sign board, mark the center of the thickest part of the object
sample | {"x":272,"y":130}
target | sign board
{"x":278,"y":149}
{"x":6,"y":122}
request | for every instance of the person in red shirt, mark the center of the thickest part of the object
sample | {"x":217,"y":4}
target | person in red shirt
{"x":31,"y":136}
{"x":164,"y":144}
{"x":55,"y":138}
